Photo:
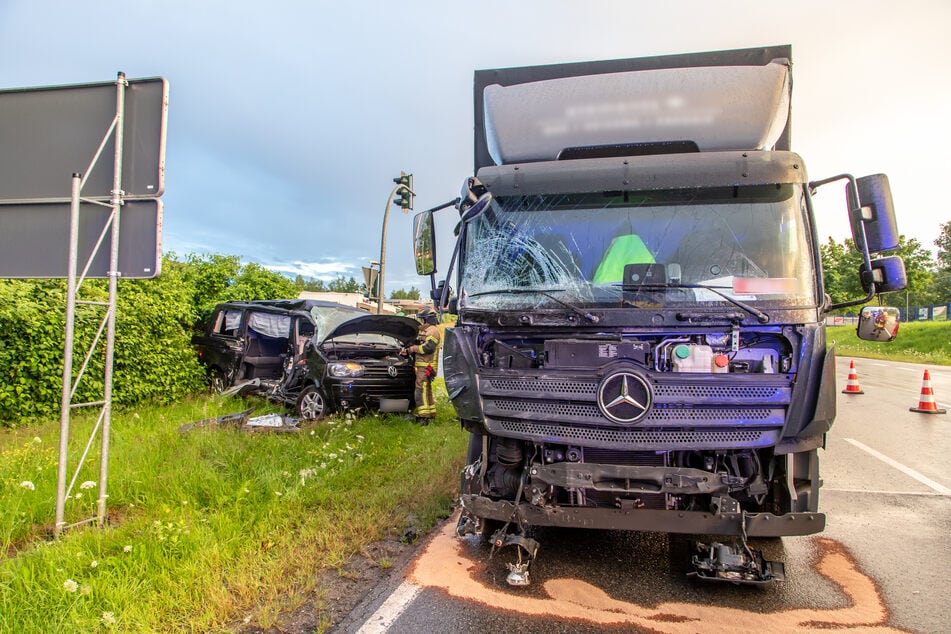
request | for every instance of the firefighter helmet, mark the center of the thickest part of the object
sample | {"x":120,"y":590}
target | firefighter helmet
{"x":427,"y":315}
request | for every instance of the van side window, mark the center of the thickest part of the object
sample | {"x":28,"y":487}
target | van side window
{"x":227,"y":323}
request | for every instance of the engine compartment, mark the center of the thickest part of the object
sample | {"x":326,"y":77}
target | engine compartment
{"x":720,"y":352}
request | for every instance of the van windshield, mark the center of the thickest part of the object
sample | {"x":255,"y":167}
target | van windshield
{"x":749,"y":243}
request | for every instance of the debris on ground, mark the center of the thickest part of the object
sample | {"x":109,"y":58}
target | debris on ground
{"x":244,"y":421}
{"x":227,"y":420}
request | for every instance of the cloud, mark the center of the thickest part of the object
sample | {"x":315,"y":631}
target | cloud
{"x":326,"y":270}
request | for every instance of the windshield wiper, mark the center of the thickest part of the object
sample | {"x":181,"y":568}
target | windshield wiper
{"x":547,"y":293}
{"x":762,"y":317}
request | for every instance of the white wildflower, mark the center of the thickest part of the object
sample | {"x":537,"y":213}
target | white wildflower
{"x":333,"y":456}
{"x":77,"y":496}
{"x":312,"y":432}
{"x":108,"y":618}
{"x":88,"y":484}
{"x":278,"y":493}
{"x":323,"y":465}
{"x":127,"y":548}
{"x":37,"y":439}
{"x":93,"y":563}
{"x":70,"y":586}
{"x":29,"y":486}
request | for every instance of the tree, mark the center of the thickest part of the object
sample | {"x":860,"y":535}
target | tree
{"x":219,"y":278}
{"x":944,"y":246}
{"x":412,"y":293}
{"x":341,"y":285}
{"x":942,"y":278}
{"x":841,"y":263}
{"x":918,"y":261}
{"x":840,"y":266}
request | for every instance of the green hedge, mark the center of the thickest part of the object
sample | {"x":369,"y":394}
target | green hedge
{"x":154,"y":359}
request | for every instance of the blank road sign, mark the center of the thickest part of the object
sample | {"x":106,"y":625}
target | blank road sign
{"x":34,"y":239}
{"x":48,"y":134}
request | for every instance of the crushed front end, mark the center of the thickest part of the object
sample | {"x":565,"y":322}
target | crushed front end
{"x":646,"y":360}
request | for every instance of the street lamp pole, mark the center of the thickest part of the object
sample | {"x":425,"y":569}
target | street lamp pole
{"x":386,"y":215}
{"x":404,"y":185}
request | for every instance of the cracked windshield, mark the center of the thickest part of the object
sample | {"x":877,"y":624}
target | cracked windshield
{"x":656,"y":248}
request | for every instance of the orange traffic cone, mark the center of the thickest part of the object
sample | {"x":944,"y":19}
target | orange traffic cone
{"x":852,"y":387}
{"x":926,"y":403}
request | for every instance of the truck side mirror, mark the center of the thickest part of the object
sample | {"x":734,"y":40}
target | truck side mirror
{"x":878,"y":323}
{"x":424,"y":243}
{"x":875,"y":210}
{"x":887,"y":273}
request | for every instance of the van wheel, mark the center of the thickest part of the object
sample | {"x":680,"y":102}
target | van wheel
{"x":311,"y":404}
{"x":217,"y":380}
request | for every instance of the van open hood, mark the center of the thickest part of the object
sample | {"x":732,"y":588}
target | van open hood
{"x":402,"y":328}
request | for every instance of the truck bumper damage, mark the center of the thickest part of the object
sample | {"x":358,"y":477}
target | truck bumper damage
{"x":684,"y":522}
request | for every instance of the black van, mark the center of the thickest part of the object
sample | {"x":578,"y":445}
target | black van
{"x":314,"y":355}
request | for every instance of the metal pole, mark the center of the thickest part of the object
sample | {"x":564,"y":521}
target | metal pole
{"x":386,"y":215}
{"x":113,"y":295}
{"x":68,"y":354}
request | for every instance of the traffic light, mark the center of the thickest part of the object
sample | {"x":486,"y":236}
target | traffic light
{"x":405,"y":192}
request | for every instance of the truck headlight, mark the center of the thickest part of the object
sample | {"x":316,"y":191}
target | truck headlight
{"x":345,"y":369}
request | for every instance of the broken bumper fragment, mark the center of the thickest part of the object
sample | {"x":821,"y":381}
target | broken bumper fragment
{"x":661,"y":521}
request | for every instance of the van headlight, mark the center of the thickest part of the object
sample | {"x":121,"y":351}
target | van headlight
{"x":345,"y":369}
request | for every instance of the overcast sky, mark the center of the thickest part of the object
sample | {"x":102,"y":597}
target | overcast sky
{"x":288,"y":120}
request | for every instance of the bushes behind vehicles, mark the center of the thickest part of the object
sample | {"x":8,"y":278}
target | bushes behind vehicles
{"x":154,"y":359}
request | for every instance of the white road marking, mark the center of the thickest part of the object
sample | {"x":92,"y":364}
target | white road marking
{"x":390,"y":610}
{"x":879,"y":492}
{"x":943,"y":490}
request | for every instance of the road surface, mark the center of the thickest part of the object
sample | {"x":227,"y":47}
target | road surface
{"x":881,"y":565}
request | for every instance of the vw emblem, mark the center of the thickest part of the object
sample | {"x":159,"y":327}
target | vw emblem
{"x":624,"y":397}
{"x":392,"y":371}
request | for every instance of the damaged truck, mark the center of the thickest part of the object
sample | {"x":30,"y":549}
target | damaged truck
{"x":640,"y":340}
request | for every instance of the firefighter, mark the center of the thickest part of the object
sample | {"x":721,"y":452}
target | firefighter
{"x":426,"y":365}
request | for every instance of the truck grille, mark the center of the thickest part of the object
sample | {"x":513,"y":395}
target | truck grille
{"x":638,"y":439}
{"x":688,"y":411}
{"x":673,"y":392}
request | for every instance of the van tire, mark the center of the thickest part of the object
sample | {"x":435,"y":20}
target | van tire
{"x":217,"y":380}
{"x":312,"y":403}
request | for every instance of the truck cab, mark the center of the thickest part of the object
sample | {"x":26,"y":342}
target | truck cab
{"x":641,"y":339}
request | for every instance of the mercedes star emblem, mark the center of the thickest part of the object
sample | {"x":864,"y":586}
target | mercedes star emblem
{"x":624,"y":397}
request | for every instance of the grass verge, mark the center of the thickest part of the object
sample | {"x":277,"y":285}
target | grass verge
{"x":211,"y":527}
{"x":917,"y":342}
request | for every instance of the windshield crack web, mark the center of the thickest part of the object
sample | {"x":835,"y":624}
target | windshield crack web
{"x":521,"y":262}
{"x":641,"y":249}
